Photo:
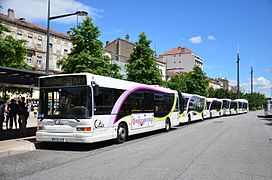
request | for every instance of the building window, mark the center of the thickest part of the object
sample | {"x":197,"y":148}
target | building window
{"x":50,"y":46}
{"x":29,"y":40}
{"x":65,"y":51}
{"x":39,"y":44}
{"x":58,"y":48}
{"x":39,"y":61}
{"x":29,"y":58}
{"x":19,"y":35}
{"x":57,"y":65}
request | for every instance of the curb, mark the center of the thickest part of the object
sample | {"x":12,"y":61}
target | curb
{"x":16,"y":146}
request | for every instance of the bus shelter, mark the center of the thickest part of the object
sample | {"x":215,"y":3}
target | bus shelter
{"x":18,"y":78}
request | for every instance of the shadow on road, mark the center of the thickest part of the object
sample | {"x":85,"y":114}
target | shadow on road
{"x":90,"y":146}
{"x":269,"y":123}
{"x":14,"y":134}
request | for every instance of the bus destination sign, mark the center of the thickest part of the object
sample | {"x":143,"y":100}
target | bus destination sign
{"x":63,"y":81}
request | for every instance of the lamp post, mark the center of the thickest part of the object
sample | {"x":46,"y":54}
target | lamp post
{"x":78,"y":13}
{"x":251,"y":74}
{"x":238,"y":74}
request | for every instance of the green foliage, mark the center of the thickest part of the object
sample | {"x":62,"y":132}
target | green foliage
{"x":179,"y":82}
{"x":211,"y":92}
{"x":141,"y":66}
{"x":194,"y":82}
{"x":13,"y":90}
{"x":12,"y":51}
{"x":255,"y":100}
{"x":87,"y":53}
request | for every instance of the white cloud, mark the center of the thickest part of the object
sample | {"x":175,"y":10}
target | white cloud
{"x":260,"y":84}
{"x":196,"y":40}
{"x":36,"y":10}
{"x":210,"y":37}
{"x":268,"y":70}
{"x":233,"y":82}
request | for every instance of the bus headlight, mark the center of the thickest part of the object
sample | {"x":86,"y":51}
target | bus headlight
{"x":39,"y":128}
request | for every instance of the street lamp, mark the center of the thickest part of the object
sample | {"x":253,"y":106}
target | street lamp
{"x":238,"y":73}
{"x":78,"y":13}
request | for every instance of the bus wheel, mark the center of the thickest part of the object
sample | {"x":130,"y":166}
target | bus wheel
{"x":167,"y":125}
{"x":121,"y":133}
{"x":202,"y":116}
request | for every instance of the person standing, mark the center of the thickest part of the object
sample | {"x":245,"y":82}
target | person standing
{"x":23,"y":113}
{"x":2,"y":115}
{"x":13,"y":111}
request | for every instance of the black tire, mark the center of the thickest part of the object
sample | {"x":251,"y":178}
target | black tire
{"x":167,"y":125}
{"x":122,"y":133}
{"x":210,"y":115}
{"x":202,"y":117}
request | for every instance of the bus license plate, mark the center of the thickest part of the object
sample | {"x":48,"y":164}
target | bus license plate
{"x":58,"y":139}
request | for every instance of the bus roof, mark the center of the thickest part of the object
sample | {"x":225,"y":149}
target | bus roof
{"x":109,"y":82}
{"x":213,"y":99}
{"x":241,"y":100}
{"x":190,"y":95}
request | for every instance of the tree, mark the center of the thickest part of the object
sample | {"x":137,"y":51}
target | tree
{"x":179,"y":82}
{"x":194,"y":82}
{"x":141,"y":65}
{"x":255,"y":100}
{"x":197,"y":82}
{"x":12,"y":51}
{"x":87,"y":53}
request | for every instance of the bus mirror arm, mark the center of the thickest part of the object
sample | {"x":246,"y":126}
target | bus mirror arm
{"x":77,"y":119}
{"x":95,"y":88}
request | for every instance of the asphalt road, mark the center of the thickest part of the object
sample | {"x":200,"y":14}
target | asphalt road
{"x":235,"y":147}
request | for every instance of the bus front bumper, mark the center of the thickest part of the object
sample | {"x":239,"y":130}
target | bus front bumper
{"x":71,"y":137}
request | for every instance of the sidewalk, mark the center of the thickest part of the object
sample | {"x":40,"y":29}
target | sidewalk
{"x":14,"y":141}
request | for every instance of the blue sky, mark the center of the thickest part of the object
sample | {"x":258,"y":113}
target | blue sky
{"x":212,"y":29}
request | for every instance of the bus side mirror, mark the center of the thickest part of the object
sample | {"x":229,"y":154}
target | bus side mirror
{"x":95,"y":88}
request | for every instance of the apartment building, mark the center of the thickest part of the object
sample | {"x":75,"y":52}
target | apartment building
{"x":120,"y":50}
{"x":180,"y":59}
{"x":35,"y":36}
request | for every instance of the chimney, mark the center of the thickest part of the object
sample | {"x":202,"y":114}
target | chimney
{"x":127,"y":38}
{"x":107,"y":43}
{"x":11,"y":13}
{"x":22,"y":19}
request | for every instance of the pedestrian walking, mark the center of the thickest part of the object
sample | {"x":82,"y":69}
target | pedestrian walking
{"x":2,"y":114}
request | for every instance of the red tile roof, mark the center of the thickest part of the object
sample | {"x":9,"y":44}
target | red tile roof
{"x":179,"y":50}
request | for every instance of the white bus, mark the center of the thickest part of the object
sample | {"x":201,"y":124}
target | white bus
{"x":226,"y":106}
{"x":242,"y":106}
{"x":233,"y":107}
{"x":268,"y":108}
{"x":213,"y":108}
{"x":87,"y":108}
{"x":191,"y":107}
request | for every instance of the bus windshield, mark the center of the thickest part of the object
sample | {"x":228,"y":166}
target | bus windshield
{"x":226,"y":104}
{"x":66,"y":102}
